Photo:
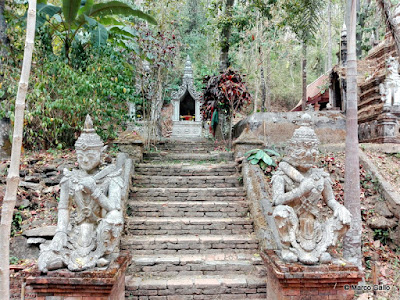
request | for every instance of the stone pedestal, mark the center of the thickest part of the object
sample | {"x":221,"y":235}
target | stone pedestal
{"x":186,"y":129}
{"x":108,"y":284}
{"x":293,"y":281}
{"x":387,"y":124}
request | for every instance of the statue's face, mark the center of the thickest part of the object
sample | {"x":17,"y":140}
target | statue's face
{"x":304,"y":155}
{"x":88,"y":159}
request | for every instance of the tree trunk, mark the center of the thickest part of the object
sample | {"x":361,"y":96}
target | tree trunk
{"x":225,"y":36}
{"x":330,"y":48}
{"x":304,"y":73}
{"x":13,"y":172}
{"x":230,"y":127}
{"x":352,"y":240}
{"x":262,"y":81}
{"x":263,"y":89}
{"x":268,"y":80}
{"x":329,"y":35}
{"x":384,"y":6}
{"x":156,"y":103}
{"x":3,"y":27}
{"x":219,"y":130}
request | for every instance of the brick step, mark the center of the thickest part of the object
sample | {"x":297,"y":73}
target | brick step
{"x":187,"y":145}
{"x":187,"y":194}
{"x":185,"y":169}
{"x":182,"y":156}
{"x":189,"y":244}
{"x":189,"y":149}
{"x":188,"y":209}
{"x":194,"y":264}
{"x":236,"y":287}
{"x":186,"y":181}
{"x":178,"y":226}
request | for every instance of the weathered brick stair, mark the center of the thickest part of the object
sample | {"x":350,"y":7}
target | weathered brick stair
{"x":189,"y":231}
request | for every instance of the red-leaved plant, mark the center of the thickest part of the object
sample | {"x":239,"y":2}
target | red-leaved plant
{"x":226,"y":93}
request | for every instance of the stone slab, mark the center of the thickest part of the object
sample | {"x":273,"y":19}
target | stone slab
{"x":44,"y":231}
{"x":386,"y":190}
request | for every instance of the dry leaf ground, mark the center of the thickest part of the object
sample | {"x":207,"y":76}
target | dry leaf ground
{"x":378,"y":249}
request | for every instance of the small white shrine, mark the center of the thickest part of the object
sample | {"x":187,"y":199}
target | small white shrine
{"x":186,"y":107}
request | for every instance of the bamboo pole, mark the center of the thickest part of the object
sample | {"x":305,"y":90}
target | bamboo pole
{"x":13,"y":172}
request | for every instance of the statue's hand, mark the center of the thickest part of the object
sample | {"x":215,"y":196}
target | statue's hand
{"x":89,"y":184}
{"x":307,"y":184}
{"x":59,"y":241}
{"x":342,"y":214}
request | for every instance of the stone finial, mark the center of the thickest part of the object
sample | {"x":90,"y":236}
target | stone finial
{"x":146,"y":66}
{"x":343,"y":46}
{"x":188,"y":74}
{"x":344,"y":31}
{"x":372,"y":40}
{"x":89,"y":139}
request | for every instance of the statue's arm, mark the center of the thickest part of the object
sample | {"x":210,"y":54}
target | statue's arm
{"x":339,"y":210}
{"x":279,"y":195}
{"x":113,"y":201}
{"x":291,"y":171}
{"x":60,"y":237}
{"x":63,"y":212}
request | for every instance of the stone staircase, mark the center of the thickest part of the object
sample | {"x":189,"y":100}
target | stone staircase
{"x":189,"y":231}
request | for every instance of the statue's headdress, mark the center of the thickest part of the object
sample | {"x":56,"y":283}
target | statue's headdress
{"x":305,"y":134}
{"x":89,"y":139}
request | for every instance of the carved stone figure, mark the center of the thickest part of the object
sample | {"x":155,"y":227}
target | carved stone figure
{"x":298,"y":188}
{"x":90,"y":217}
{"x":390,"y":88}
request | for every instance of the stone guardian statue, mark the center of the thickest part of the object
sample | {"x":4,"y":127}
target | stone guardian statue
{"x":390,"y":88}
{"x":298,"y":191}
{"x":90,"y":218}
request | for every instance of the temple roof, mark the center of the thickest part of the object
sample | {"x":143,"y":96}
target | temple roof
{"x":187,"y":84}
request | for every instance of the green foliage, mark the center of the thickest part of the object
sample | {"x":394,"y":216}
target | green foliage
{"x":16,"y":223}
{"x":263,"y":158}
{"x":60,"y":96}
{"x":303,"y":17}
{"x":382,"y":235}
{"x":75,"y":17}
{"x":14,"y":260}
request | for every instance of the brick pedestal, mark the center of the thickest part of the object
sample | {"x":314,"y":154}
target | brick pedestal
{"x":294,"y":281}
{"x":88,"y":285}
